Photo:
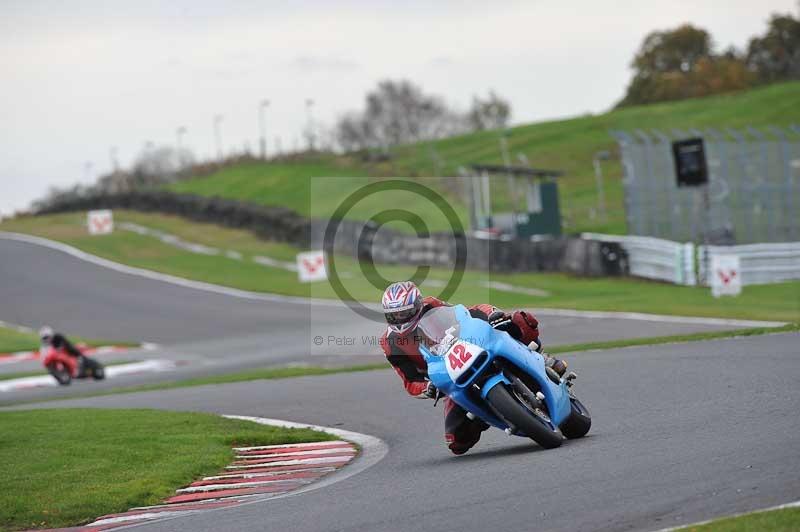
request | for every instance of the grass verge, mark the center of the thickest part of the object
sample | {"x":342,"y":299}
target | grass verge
{"x":289,"y":372}
{"x":779,"y":302}
{"x":782,"y":520}
{"x":66,"y":467}
{"x":12,"y":340}
{"x":678,"y":338}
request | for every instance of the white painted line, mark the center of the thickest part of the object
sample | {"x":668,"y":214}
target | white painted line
{"x":139,"y":517}
{"x":315,"y":452}
{"x":297,"y":461}
{"x":663,"y":318}
{"x":319,"y":469}
{"x":237,"y":485}
{"x":260,"y":296}
{"x":285,"y":445}
{"x":14,"y":326}
{"x":505,"y":287}
{"x":795,"y":504}
{"x":111,"y":372}
{"x":372,"y":451}
{"x":193,"y":503}
{"x":166,"y":278}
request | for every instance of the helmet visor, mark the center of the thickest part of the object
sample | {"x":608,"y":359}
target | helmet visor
{"x":401,"y":317}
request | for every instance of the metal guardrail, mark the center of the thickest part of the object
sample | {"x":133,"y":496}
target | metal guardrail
{"x":760,"y":263}
{"x":665,"y":260}
{"x":655,"y":258}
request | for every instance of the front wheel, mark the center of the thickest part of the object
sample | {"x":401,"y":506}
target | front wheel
{"x":60,"y":373}
{"x":532,"y":425}
{"x":579,"y":421}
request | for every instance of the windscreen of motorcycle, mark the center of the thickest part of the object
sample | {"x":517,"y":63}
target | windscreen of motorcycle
{"x":439,"y":328}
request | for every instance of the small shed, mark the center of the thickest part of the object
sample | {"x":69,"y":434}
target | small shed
{"x":532,"y":197}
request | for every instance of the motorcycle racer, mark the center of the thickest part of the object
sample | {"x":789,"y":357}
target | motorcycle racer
{"x":56,"y":340}
{"x":403,"y":307}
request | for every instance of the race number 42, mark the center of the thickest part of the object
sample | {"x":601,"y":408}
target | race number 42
{"x":459,"y":356}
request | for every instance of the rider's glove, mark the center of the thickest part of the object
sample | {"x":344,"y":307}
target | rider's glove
{"x":499,"y":320}
{"x":431,"y":391}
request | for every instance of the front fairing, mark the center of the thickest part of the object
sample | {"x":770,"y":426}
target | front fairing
{"x":497,"y":344}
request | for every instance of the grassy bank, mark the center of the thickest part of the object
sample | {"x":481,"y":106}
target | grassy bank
{"x":780,"y":302}
{"x":568,"y":145}
{"x":12,"y":340}
{"x":784,"y":520}
{"x":66,"y":467}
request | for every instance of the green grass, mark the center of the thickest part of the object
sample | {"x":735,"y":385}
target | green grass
{"x":66,"y":467}
{"x":316,"y":187}
{"x":12,"y":340}
{"x":784,"y":520}
{"x":780,"y":301}
{"x":567,"y":144}
{"x":676,"y":338}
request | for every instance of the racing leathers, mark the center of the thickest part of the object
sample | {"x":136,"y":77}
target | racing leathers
{"x":402,"y":352}
{"x":59,"y":341}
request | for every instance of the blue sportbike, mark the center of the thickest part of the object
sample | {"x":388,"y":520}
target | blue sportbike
{"x":498,"y":379}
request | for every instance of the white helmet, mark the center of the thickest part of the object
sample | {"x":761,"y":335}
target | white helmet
{"x":45,"y":333}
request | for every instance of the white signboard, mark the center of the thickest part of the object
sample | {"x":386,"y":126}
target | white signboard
{"x":100,"y":222}
{"x":311,"y":266}
{"x":726,"y":278}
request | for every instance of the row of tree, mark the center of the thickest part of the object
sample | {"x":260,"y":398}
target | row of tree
{"x":682,"y":63}
{"x":399,"y":112}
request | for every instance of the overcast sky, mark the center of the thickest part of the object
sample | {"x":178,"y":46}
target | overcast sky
{"x":79,"y":77}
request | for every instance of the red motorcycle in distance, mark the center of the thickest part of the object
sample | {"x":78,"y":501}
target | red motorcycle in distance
{"x":65,"y":367}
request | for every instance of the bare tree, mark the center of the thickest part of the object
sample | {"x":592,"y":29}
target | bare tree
{"x":397,"y":112}
{"x":492,"y":113}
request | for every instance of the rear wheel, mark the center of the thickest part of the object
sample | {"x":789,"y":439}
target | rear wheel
{"x":60,"y":373}
{"x":94,"y":368}
{"x":534,"y":424}
{"x":579,"y":421}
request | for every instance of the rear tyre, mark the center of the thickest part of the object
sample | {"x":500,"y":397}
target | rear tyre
{"x":579,"y":421}
{"x":96,"y":369}
{"x":523,"y":419}
{"x":60,"y":374}
{"x":99,"y":373}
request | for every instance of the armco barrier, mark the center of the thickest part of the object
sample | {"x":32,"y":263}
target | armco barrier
{"x":760,"y":263}
{"x":362,"y":239}
{"x":655,"y":258}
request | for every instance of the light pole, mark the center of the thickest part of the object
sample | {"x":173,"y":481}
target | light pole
{"x":598,"y":174}
{"x":112,"y":153}
{"x":310,"y":126}
{"x":218,"y":136}
{"x":88,"y":166}
{"x":263,"y":128}
{"x":179,"y":133}
{"x":512,"y":185}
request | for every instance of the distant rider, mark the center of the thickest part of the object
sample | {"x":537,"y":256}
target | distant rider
{"x":56,"y":340}
{"x":403,"y":307}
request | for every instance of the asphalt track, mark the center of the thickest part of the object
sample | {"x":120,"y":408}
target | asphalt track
{"x":681,"y":433}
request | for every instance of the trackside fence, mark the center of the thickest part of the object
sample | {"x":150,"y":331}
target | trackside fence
{"x":760,"y":263}
{"x":687,"y":264}
{"x":655,"y":258}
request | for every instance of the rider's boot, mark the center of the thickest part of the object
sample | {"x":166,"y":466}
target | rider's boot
{"x":556,"y":364}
